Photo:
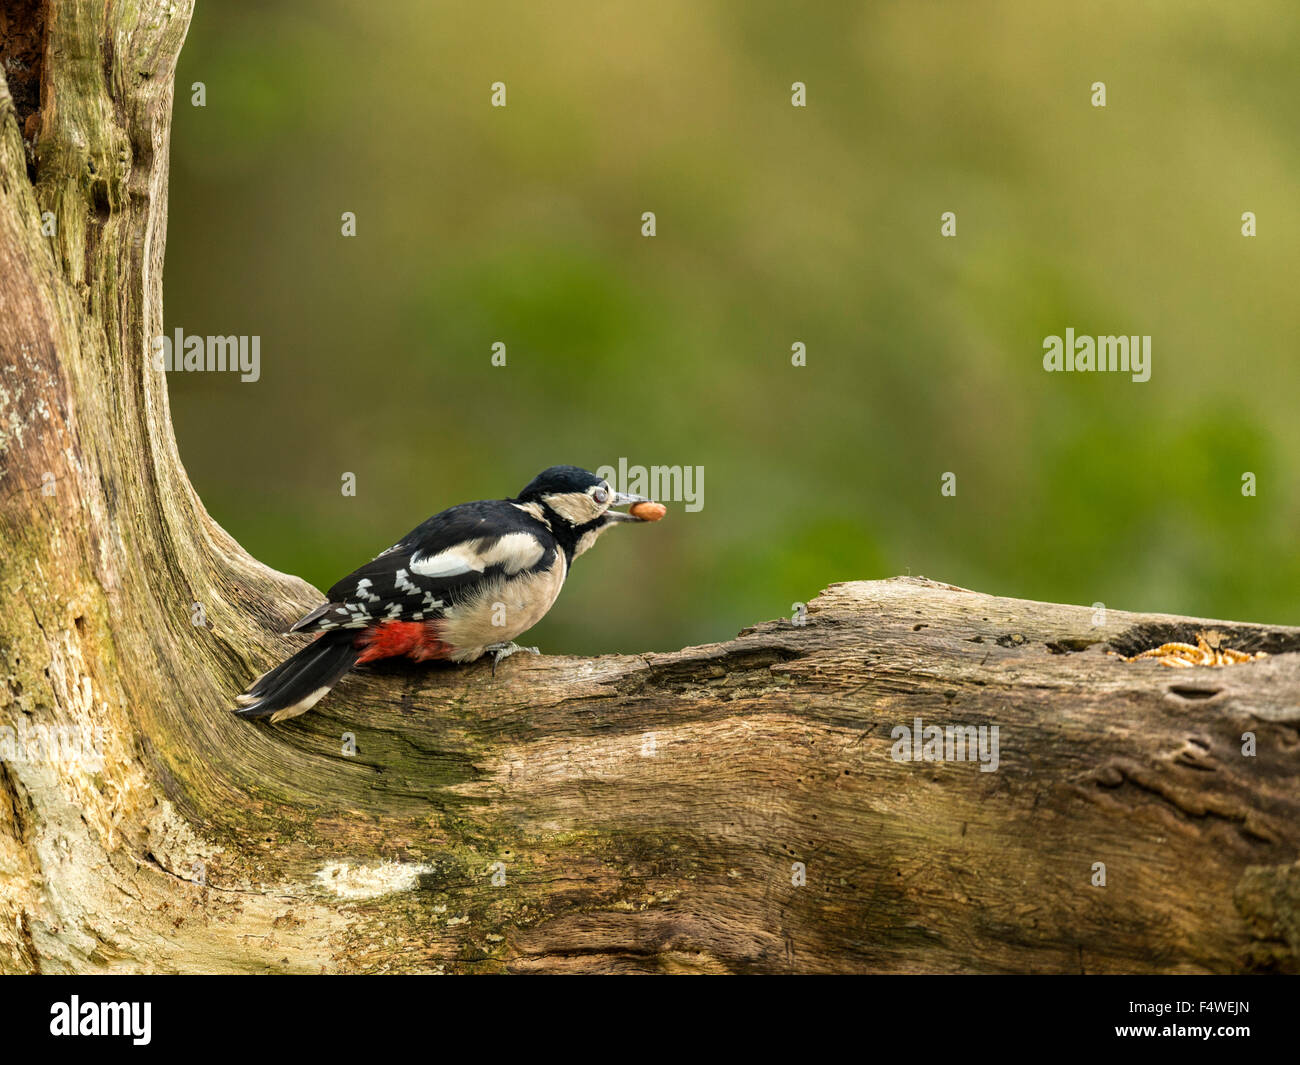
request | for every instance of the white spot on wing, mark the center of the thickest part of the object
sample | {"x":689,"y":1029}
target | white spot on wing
{"x":450,"y":563}
{"x":514,"y":552}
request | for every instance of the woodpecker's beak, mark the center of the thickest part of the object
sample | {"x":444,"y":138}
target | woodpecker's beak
{"x":623,"y":499}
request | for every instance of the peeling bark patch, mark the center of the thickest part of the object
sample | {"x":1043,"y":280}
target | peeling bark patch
{"x":370,"y":881}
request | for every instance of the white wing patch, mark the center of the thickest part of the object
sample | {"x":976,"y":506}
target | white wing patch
{"x":514,"y":552}
{"x":450,"y":563}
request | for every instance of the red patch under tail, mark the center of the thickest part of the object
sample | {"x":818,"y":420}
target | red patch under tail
{"x":417,"y":640}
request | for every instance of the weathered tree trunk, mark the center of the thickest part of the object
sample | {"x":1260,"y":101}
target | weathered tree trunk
{"x":621,"y":813}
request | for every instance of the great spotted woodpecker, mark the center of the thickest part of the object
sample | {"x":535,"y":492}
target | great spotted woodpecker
{"x":463,"y":584}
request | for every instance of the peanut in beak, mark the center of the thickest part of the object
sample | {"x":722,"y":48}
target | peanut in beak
{"x":648,"y":511}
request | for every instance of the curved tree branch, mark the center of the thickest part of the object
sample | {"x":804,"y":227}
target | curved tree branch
{"x":621,"y":813}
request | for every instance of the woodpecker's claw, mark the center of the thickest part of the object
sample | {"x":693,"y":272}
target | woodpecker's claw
{"x":505,"y":650}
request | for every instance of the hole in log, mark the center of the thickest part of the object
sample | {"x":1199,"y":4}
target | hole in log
{"x":100,"y":199}
{"x":1249,"y":638}
{"x":1185,"y":691}
{"x":1072,"y":644}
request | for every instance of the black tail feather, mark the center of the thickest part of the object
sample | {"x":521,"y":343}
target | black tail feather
{"x":299,"y":682}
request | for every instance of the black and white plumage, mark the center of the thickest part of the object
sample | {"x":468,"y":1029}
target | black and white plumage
{"x":462,"y":584}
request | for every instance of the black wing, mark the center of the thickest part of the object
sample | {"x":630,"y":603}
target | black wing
{"x":436,"y":565}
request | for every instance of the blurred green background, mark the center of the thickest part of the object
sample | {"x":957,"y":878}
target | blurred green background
{"x":775,"y":225}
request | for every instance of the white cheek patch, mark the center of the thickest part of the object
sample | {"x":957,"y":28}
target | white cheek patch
{"x":577,"y":508}
{"x":513,"y":552}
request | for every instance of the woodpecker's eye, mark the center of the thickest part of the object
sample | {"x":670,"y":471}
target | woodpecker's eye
{"x":600,"y":495}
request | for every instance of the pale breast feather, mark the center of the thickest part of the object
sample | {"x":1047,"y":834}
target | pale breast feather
{"x":501,"y":608}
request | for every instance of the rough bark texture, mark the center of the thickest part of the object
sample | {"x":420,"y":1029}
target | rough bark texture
{"x":622,"y":813}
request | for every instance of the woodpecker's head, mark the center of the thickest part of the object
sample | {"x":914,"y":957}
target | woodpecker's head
{"x":577,"y":505}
